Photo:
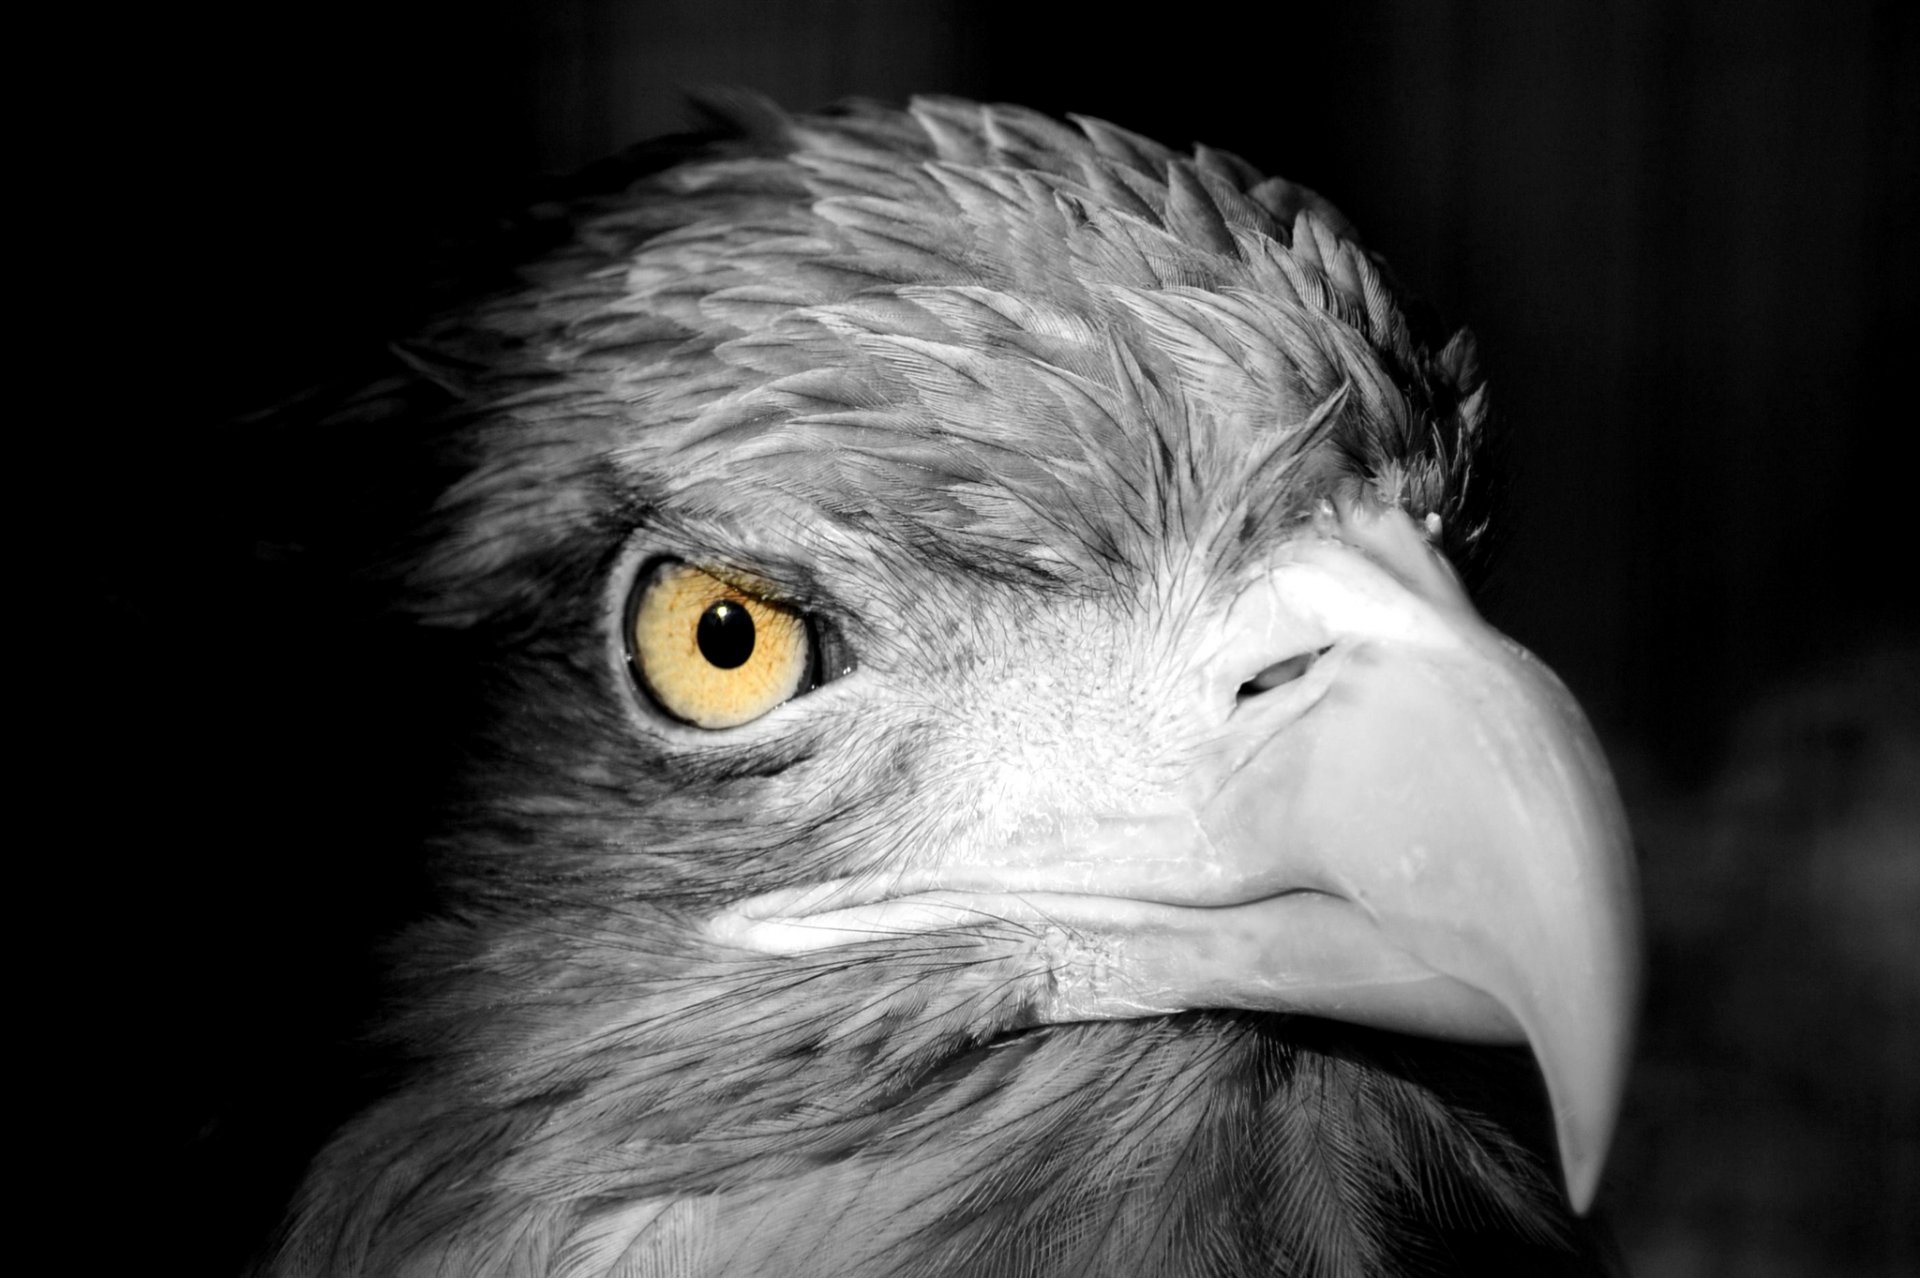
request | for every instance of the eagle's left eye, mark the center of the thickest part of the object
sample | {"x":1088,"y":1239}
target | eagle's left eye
{"x":710,"y":653}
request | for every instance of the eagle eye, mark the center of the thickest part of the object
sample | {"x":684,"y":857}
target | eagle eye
{"x":713,"y":655}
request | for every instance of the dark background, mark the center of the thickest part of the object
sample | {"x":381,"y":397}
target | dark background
{"x":1684,"y":232}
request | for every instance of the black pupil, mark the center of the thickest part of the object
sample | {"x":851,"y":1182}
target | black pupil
{"x":725,"y":635}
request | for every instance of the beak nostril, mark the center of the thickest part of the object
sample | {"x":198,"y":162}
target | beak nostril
{"x":1279,"y":673}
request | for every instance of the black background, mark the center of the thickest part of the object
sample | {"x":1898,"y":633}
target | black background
{"x":1684,"y":232}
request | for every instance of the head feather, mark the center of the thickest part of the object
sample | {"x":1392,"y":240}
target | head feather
{"x":1023,"y":343}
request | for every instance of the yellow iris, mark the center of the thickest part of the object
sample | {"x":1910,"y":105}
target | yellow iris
{"x":712,"y":654}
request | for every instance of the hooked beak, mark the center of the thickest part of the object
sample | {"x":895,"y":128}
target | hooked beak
{"x":1446,"y":799}
{"x":1407,"y":823}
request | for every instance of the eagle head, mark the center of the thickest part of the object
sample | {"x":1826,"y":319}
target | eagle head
{"x":985,"y":763}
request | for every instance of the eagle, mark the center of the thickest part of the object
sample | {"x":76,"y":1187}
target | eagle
{"x":982,"y":759}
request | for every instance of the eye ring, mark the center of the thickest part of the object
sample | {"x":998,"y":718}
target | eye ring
{"x":714,"y":655}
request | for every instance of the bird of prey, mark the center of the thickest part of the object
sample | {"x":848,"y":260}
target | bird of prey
{"x":986,"y":763}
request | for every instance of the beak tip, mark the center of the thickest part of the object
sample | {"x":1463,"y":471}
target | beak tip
{"x":1587,"y":1094}
{"x":1583,"y":1182}
{"x":1583,"y":1133}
